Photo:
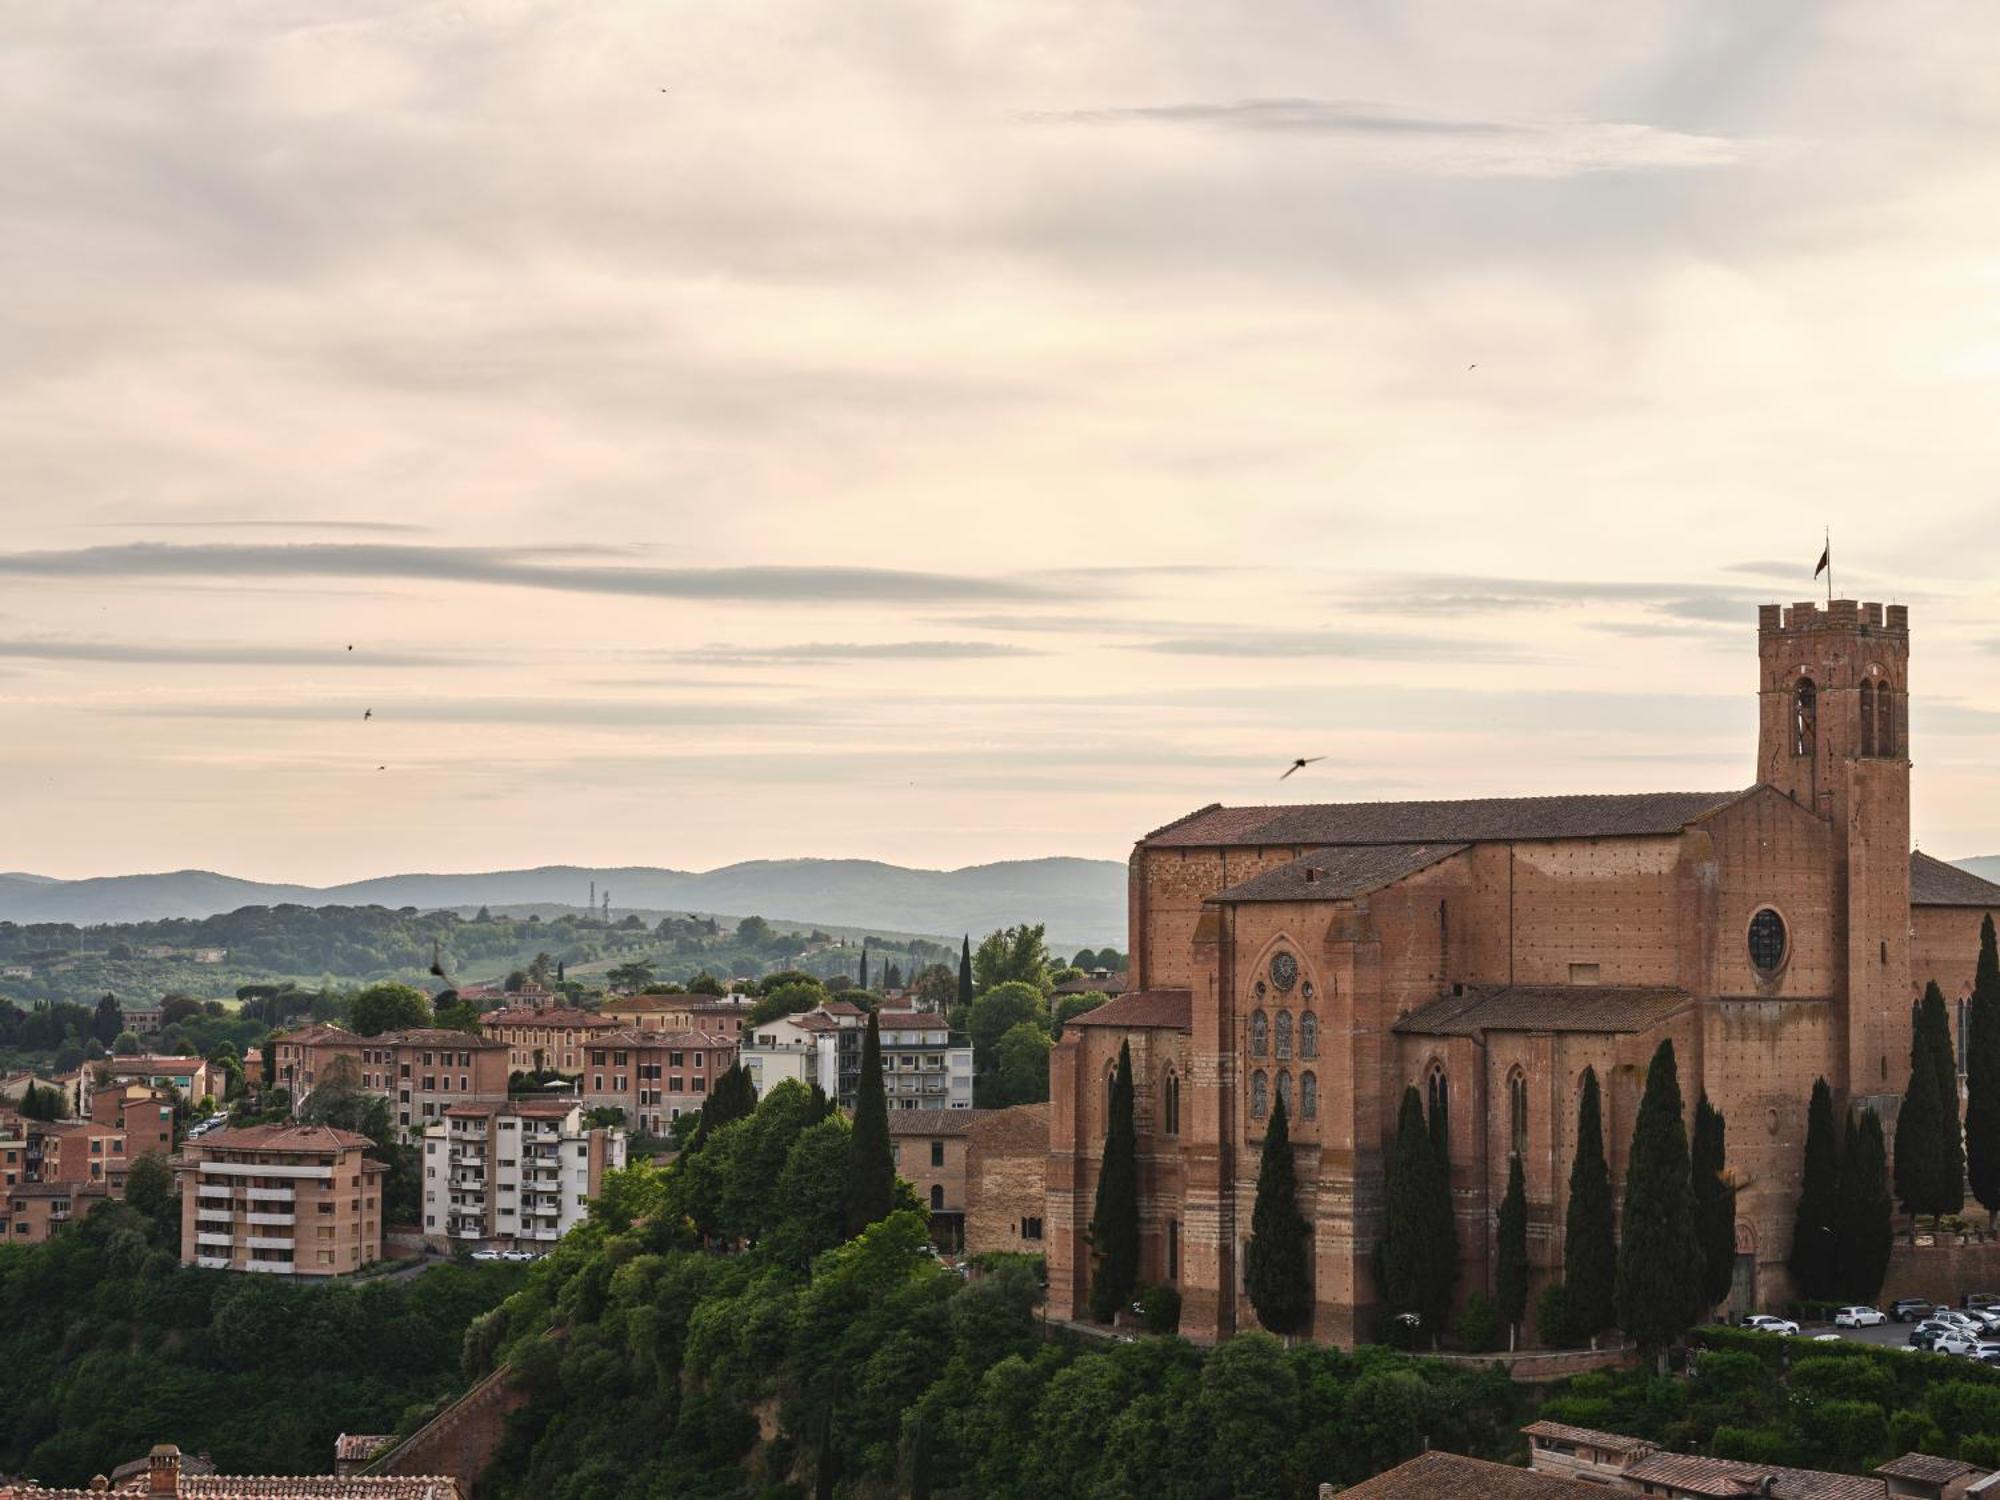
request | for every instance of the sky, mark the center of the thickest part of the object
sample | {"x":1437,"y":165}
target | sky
{"x":464,"y":436}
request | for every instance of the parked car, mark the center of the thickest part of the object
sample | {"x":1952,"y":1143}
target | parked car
{"x":1952,"y":1341}
{"x":1765,"y":1323}
{"x":1858,"y":1317}
{"x":1928,"y":1333}
{"x":1826,"y":1338}
{"x":1985,"y":1320}
{"x":1970,"y":1322}
{"x":1980,"y":1301}
{"x":1910,"y":1310}
{"x":489,"y":1255}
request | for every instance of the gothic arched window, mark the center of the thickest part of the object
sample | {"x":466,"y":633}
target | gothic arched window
{"x":1437,"y":1095}
{"x":1867,"y":718}
{"x":1309,"y":1095}
{"x":1285,"y":1090}
{"x":1517,"y":1112}
{"x":1805,"y":717}
{"x":1170,"y":1103}
{"x":937,"y":1198}
{"x":1308,"y":1034}
{"x":1260,"y":1095}
{"x":1281,"y":1036}
{"x":1260,"y":1030}
{"x":1885,"y":720}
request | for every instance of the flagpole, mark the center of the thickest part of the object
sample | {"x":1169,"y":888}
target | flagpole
{"x":1829,"y":567}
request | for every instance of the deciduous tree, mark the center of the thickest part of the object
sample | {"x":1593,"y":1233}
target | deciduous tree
{"x":388,"y":1007}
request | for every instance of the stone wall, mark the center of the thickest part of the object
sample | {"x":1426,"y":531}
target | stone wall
{"x":1942,"y":1273}
{"x":460,"y":1440}
{"x":1006,"y":1179}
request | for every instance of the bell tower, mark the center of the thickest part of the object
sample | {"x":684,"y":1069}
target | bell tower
{"x":1833,"y":735}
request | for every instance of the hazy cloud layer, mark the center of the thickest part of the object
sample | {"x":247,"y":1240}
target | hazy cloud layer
{"x":194,"y":653}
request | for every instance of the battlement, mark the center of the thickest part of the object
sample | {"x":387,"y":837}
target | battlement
{"x":1836,"y":615}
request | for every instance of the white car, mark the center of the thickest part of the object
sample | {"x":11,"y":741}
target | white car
{"x":1859,"y":1317}
{"x":1765,"y":1323}
{"x":1955,"y":1343}
{"x":1959,"y":1319}
{"x":489,"y":1255}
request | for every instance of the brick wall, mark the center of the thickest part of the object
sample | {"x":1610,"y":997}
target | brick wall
{"x":1007,"y":1179}
{"x":460,"y":1440}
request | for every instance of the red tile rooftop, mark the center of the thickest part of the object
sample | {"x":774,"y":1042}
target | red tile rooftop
{"x":1168,"y":1009}
{"x":281,"y":1138}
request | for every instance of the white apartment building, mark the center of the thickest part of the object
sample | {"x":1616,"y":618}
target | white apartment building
{"x":515,"y":1176}
{"x":923,"y":1065}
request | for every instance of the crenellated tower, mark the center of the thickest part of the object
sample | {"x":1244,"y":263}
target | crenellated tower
{"x":1833,"y":686}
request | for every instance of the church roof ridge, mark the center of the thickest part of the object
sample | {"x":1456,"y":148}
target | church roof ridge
{"x":1543,"y":1007}
{"x":1463,"y":820}
{"x":1937,"y":882}
{"x":1338,"y":872}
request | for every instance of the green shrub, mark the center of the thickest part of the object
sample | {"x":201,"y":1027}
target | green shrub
{"x":1552,"y":1319}
{"x":1477,"y":1326}
{"x":1981,"y":1448}
{"x":1758,"y":1445}
{"x":1913,"y":1432}
{"x":1160,"y":1309}
{"x":1849,"y":1430}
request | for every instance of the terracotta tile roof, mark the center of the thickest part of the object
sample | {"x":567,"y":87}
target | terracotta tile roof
{"x":318,"y":1031}
{"x":272,"y":1487}
{"x":1551,"y":1007}
{"x":1562,"y":1432}
{"x":934,"y":1121}
{"x":841,"y":1008}
{"x":1169,"y":1009}
{"x":690,"y":1038}
{"x":141,"y":1062}
{"x":1448,"y":1476}
{"x":1110,"y":984}
{"x":1925,"y":1469}
{"x":1935,"y":883}
{"x":527,"y":1015}
{"x":438,"y":1036}
{"x":1733,"y":1479}
{"x":910,"y":1020}
{"x":353,"y":1447}
{"x":552,"y":1109}
{"x":471,"y":1111}
{"x":281,"y":1138}
{"x":1339,"y":872}
{"x":1482,"y":819}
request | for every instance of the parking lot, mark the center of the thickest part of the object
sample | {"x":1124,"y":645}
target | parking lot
{"x":1890,"y":1335}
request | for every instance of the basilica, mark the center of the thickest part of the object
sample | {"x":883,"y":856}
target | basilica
{"x":1487,"y":952}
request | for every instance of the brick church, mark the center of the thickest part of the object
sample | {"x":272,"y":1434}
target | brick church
{"x":1487,"y":952}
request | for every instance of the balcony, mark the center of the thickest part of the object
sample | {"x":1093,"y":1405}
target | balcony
{"x":212,"y":1262}
{"x":286,"y":1220}
{"x":263,"y":1169}
{"x":272,"y":1267}
{"x":270,"y":1194}
{"x":268,"y":1241}
{"x":214,"y":1190}
{"x":203,"y":1237}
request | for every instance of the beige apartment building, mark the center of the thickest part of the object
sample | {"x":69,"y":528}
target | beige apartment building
{"x":654,"y":1076}
{"x":421,"y":1072}
{"x":543,"y":1035}
{"x":290,"y":1200}
{"x":723,"y":1015}
{"x":513,"y":1176}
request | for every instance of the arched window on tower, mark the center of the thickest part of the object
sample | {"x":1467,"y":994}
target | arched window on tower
{"x":1517,"y":1112}
{"x":1260,"y":1032}
{"x":1309,"y":1095}
{"x":1885,"y":720}
{"x":1170,"y":1103}
{"x":1805,"y":717}
{"x":1281,"y":1036}
{"x":1260,"y":1095}
{"x":937,"y":1199}
{"x":1867,"y":718}
{"x":1285,"y":1091}
{"x":1437,"y":1099}
{"x":1308,"y":1034}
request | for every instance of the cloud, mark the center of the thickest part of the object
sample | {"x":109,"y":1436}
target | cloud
{"x":511,"y":567}
{"x":1552,"y":147}
{"x":549,"y":713}
{"x":1472,"y":594}
{"x":1333,"y":643}
{"x":197,"y":653}
{"x":841,"y":651}
{"x":386,"y":527}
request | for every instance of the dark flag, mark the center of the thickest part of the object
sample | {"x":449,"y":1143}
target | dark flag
{"x":1825,"y":560}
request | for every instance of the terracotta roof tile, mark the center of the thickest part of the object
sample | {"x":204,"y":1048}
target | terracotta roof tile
{"x":934,"y":1121}
{"x":1926,"y":1469}
{"x":527,"y":1015}
{"x":1562,"y":1432}
{"x":910,"y":1020}
{"x":1168,"y":1009}
{"x":438,"y":1036}
{"x":1436,"y":1476}
{"x":274,"y":1487}
{"x":281,"y":1138}
{"x":1339,"y":872}
{"x":1732,"y":1479}
{"x":1935,"y":883}
{"x":1481,"y":819}
{"x":1553,"y":1007}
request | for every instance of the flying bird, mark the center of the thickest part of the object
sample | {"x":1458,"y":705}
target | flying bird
{"x":367,"y":713}
{"x":350,"y":647}
{"x":437,"y":963}
{"x":1469,"y":367}
{"x":381,"y":768}
{"x":1300,"y":764}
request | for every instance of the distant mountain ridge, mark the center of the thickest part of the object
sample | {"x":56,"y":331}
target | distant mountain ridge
{"x":1985,"y":866}
{"x":1080,"y":900}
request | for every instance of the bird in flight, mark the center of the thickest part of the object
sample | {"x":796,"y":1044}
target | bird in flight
{"x":350,"y":647}
{"x":381,"y":768}
{"x":1300,"y":764}
{"x":367,"y":713}
{"x":1469,"y":367}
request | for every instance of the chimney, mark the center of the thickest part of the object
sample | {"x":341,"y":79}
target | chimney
{"x":163,"y":1470}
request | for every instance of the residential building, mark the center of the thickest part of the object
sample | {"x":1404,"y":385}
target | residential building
{"x":930,"y":1147}
{"x":541,"y":1036}
{"x":14,"y":1085}
{"x":143,"y":1112}
{"x":724,"y":1015}
{"x":166,"y":1475}
{"x":190,"y":1077}
{"x":296,"y":1200}
{"x":1610,"y":1460}
{"x":421,"y":1072}
{"x":31,"y":1212}
{"x":654,"y":1076}
{"x":143,"y":1020}
{"x":515,"y":1176}
{"x":923,"y":1065}
{"x":1438,"y":1475}
{"x":1920,"y":1476}
{"x":1006,"y":1179}
{"x":1486,"y":952}
{"x":63,"y":1151}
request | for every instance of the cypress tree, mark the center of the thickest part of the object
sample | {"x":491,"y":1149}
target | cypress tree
{"x":1814,"y":1226}
{"x":1440,"y":1128}
{"x":1930,"y":1152}
{"x":1864,"y":1231}
{"x":1510,"y":1281}
{"x":1982,"y":1077}
{"x":1659,"y":1260}
{"x":1590,"y":1254}
{"x":863,"y":984}
{"x":1419,"y":1252}
{"x":964,"y":979}
{"x":1114,"y":1227}
{"x":1278,"y":1264}
{"x":870,"y":1192}
{"x":1714,"y":1202}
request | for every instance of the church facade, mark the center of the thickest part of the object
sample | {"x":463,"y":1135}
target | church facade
{"x":1487,"y":952}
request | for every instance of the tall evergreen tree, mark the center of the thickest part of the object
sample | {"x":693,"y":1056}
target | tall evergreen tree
{"x":1510,"y":1279}
{"x":1930,"y":1151}
{"x":1440,"y":1128}
{"x":1114,"y":1227}
{"x":964,"y":979}
{"x":1864,"y":1228}
{"x":1659,"y":1260}
{"x":1590,"y":1253}
{"x":1982,"y":1077}
{"x":1419,"y":1253}
{"x":870,"y":1192}
{"x":863,"y":982}
{"x":1814,"y":1225}
{"x":1278,"y":1265}
{"x":1714,"y":1202}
